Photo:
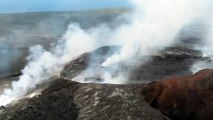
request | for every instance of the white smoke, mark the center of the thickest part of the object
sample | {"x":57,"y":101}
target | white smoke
{"x":207,"y":49}
{"x":153,"y":26}
{"x":208,"y":43}
{"x":201,"y":65}
{"x":44,"y":64}
{"x":156,"y":24}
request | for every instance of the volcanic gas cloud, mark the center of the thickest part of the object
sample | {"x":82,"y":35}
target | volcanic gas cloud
{"x":150,"y":27}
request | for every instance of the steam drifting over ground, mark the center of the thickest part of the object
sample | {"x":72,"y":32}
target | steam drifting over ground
{"x":207,"y":49}
{"x":154,"y":25}
{"x":45,"y":64}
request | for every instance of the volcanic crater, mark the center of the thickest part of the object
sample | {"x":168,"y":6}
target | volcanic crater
{"x":156,"y":89}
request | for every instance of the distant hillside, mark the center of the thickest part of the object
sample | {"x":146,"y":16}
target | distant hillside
{"x":52,"y":24}
{"x":15,"y":20}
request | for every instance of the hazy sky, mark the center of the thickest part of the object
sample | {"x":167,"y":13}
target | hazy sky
{"x":57,"y":5}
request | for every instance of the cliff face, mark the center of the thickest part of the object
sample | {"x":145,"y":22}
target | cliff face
{"x":183,"y":98}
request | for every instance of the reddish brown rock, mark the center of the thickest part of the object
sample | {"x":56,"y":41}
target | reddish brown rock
{"x":183,"y":98}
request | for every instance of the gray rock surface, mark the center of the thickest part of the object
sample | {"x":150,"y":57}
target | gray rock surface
{"x":66,"y":100}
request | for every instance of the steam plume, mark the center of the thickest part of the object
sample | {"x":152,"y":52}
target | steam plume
{"x":206,"y":48}
{"x":153,"y":26}
{"x":45,"y":64}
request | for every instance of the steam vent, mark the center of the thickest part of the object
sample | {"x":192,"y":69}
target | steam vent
{"x":106,"y":60}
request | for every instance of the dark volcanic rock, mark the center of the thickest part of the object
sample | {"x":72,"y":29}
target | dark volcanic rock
{"x":66,"y":100}
{"x":55,"y":103}
{"x":114,"y":102}
{"x":171,"y":62}
{"x":95,"y":58}
{"x":183,"y":98}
